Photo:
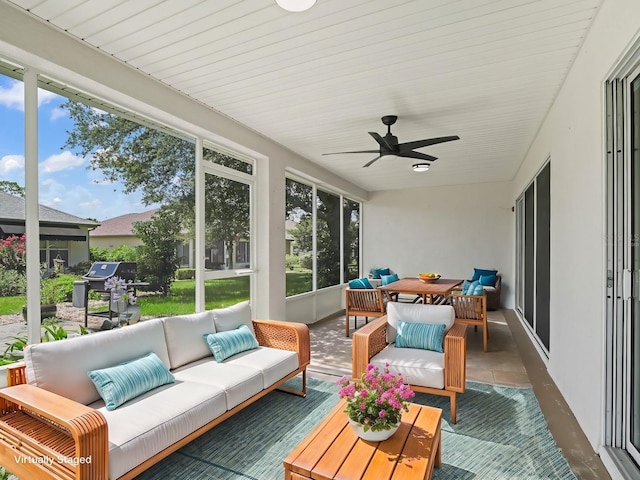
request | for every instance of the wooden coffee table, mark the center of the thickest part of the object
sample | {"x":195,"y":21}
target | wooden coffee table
{"x":334,"y":451}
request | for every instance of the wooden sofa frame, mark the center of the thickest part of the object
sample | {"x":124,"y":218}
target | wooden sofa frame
{"x":372,"y":339}
{"x":46,"y":436}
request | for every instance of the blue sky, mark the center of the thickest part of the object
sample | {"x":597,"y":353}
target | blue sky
{"x":65,"y":182}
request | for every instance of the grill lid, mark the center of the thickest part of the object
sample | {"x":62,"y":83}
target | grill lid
{"x":104,"y":270}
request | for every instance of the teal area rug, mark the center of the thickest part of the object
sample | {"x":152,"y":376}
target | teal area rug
{"x":501,"y":434}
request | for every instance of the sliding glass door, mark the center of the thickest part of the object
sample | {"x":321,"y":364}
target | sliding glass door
{"x":533,"y":272}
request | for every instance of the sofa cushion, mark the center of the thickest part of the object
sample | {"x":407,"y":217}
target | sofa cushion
{"x":428,"y":336}
{"x":232,"y":317}
{"x":360,"y":283}
{"x":61,"y":367}
{"x":225,"y":344}
{"x":121,"y":383}
{"x":417,"y":313}
{"x":418,"y":367}
{"x":274,"y":363}
{"x":184,"y":337}
{"x":237,"y":381}
{"x":155,"y":420}
{"x":378,"y":272}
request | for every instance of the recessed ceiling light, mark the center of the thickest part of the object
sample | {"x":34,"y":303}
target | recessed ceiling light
{"x":420,"y":167}
{"x":296,"y":5}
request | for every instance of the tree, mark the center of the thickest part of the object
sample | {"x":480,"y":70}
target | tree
{"x":11,"y":188}
{"x":157,"y":256}
{"x":161,"y":166}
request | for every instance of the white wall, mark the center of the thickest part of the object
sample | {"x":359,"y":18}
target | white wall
{"x":449,"y":230}
{"x":572,"y":135}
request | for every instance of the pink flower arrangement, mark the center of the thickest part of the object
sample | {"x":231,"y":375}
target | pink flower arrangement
{"x":376,"y":401}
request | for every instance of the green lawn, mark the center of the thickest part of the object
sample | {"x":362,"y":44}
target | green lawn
{"x":218,"y":293}
{"x":11,"y":305}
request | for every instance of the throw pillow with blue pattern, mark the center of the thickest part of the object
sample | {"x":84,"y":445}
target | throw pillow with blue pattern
{"x":226,"y":344}
{"x":425,"y":336}
{"x":360,"y":283}
{"x":116,"y":385}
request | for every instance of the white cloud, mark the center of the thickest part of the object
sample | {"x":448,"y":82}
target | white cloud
{"x":61,"y":161}
{"x":57,"y":113}
{"x":48,"y":182}
{"x":95,"y":203}
{"x":11,"y":162}
{"x":13,"y":96}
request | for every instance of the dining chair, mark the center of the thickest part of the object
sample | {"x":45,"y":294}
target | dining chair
{"x":471,"y":310}
{"x":363,"y":302}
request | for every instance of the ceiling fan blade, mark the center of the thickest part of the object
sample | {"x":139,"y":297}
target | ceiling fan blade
{"x":358,"y":151}
{"x":405,"y":147}
{"x":418,"y":155}
{"x":369,"y":163}
{"x":381,"y":141}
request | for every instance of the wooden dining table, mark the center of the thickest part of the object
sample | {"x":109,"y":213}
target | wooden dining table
{"x":428,"y":291}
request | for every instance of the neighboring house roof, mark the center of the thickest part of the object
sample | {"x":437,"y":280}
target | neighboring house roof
{"x":121,"y":226}
{"x":289,"y":225}
{"x":12,"y":208}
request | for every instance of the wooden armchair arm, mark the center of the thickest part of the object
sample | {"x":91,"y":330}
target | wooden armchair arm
{"x":455,"y":358}
{"x":367,"y":342}
{"x":44,"y":435}
{"x":16,"y":374}
{"x":285,"y":336}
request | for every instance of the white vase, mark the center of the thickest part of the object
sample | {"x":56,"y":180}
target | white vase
{"x":370,"y":435}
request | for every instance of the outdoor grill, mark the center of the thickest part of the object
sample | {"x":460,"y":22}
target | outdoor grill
{"x":101,"y":271}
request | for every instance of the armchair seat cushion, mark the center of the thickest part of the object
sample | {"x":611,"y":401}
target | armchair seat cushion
{"x":418,"y":367}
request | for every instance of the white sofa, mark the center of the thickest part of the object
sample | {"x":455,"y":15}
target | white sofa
{"x":429,"y":371}
{"x":152,"y":425}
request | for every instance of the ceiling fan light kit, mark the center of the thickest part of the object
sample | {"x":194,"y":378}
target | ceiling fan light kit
{"x":388,"y":145}
{"x":296,"y":5}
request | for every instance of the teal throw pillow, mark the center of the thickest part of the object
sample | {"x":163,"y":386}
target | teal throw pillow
{"x":359,"y":283}
{"x":477,"y":272}
{"x":121,"y":383}
{"x":387,"y":279}
{"x":378,"y":272}
{"x":226,"y":344}
{"x":487,"y":280}
{"x":475,"y":288}
{"x":465,"y":286}
{"x":426,"y":336}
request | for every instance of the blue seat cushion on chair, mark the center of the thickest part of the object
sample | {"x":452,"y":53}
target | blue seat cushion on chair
{"x":477,"y":272}
{"x":387,"y":279}
{"x":487,"y":280}
{"x":360,"y":283}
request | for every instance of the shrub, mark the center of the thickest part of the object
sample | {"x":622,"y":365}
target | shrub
{"x":291,"y":261}
{"x":185,"y":274}
{"x":58,"y":289}
{"x":306,"y":261}
{"x":12,"y":283}
{"x":13,"y":253}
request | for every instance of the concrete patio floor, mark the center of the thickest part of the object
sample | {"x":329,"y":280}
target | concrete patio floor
{"x":511,"y":361}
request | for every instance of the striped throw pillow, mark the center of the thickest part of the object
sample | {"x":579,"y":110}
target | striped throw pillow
{"x":225,"y":344}
{"x":121,"y":383}
{"x":426,"y":336}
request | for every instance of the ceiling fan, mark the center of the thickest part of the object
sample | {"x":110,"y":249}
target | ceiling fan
{"x":389,"y":144}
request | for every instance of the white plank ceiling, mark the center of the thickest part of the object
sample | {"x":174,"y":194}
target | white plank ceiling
{"x":318,"y":81}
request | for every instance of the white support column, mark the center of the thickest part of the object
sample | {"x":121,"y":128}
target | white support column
{"x":32,"y":224}
{"x":199,"y":227}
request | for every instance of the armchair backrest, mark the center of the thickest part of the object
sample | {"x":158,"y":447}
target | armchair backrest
{"x":469,"y":307}
{"x":417,"y":313}
{"x":364,"y":300}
